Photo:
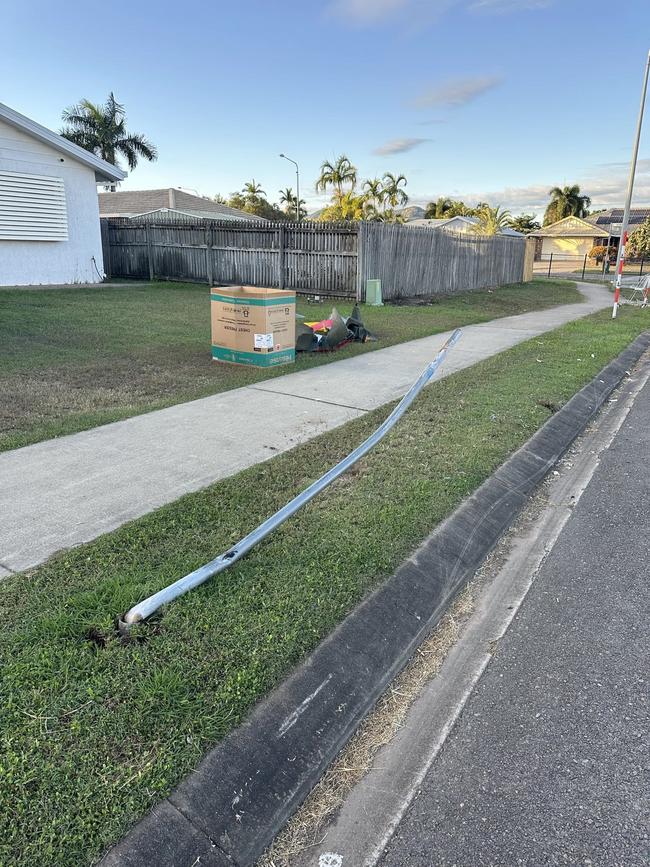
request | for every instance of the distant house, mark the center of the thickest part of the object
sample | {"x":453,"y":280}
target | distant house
{"x":462,"y":225}
{"x":166,"y":203}
{"x":49,"y":218}
{"x":573,"y":237}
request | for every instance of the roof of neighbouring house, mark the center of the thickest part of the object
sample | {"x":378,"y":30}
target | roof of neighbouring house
{"x":570,"y":227}
{"x":440,"y":223}
{"x":103,"y":171}
{"x":614,"y":216}
{"x":127,"y":203}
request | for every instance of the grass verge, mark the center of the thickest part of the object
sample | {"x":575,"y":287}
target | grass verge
{"x":71,"y":359}
{"x":94,"y":732}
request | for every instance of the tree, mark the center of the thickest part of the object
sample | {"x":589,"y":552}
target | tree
{"x":524,"y":223}
{"x":444,"y":208}
{"x":437,"y":210}
{"x":394,"y":195}
{"x":345,"y":207}
{"x":101,"y":129}
{"x":638,"y":243}
{"x":491,"y":220}
{"x":336,"y":175}
{"x":460,"y":209}
{"x":257,"y":206}
{"x":219,"y":199}
{"x":374,"y":192}
{"x":566,"y":202}
{"x":253,"y":190}
{"x":288,"y":199}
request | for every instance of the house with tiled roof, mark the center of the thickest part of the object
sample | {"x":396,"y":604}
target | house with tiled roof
{"x":166,"y":203}
{"x":573,"y":237}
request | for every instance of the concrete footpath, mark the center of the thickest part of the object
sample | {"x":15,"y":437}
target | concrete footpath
{"x":548,"y":763}
{"x":66,"y":491}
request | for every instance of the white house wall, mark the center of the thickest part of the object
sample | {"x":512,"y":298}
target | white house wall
{"x":24,"y":263}
{"x":567,"y":247}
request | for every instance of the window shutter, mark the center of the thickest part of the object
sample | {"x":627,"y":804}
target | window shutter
{"x":32,"y":208}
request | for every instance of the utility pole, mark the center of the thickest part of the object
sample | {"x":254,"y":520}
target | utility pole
{"x":620,"y":256}
{"x":284,"y":157}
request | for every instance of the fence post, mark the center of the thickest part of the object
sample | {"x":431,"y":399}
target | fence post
{"x":584,"y":265}
{"x":281,"y":268}
{"x":208,"y":255}
{"x":360,"y":242}
{"x":642,"y":261}
{"x":149,"y":248}
{"x":106,"y":247}
{"x":550,"y":262}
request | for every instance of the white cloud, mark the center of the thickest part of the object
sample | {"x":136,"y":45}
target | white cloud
{"x":457,"y":92}
{"x":605,"y":191}
{"x":398,"y":146}
{"x":642,"y":166}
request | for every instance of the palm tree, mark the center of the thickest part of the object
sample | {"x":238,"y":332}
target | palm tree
{"x":492,"y":220}
{"x":458,"y":208}
{"x":394,"y":195}
{"x":101,"y":129}
{"x":253,"y":190}
{"x":566,"y":202}
{"x":335,"y":175}
{"x":438,"y":210}
{"x":374,"y":193}
{"x":288,"y":198}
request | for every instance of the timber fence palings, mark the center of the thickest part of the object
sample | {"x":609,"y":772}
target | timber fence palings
{"x":309,"y":258}
{"x":327,"y":259}
{"x":413,"y":262}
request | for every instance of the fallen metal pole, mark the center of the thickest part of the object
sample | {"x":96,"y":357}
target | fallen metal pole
{"x":147,"y":607}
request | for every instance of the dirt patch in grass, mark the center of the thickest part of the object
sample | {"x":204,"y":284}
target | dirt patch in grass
{"x":71,"y":359}
{"x":93,"y":736}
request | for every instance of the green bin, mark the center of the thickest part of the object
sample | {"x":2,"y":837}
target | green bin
{"x":373,"y":293}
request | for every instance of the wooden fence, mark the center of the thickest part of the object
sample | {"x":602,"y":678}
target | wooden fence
{"x":419,"y":261}
{"x":310,"y":258}
{"x":326,"y":259}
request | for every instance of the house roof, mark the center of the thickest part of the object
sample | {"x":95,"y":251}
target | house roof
{"x":103,"y":171}
{"x":569,"y":227}
{"x":128,"y":203}
{"x":469,"y":221}
{"x":615,"y":216}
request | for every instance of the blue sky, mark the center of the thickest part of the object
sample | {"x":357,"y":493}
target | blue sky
{"x":479,"y":99}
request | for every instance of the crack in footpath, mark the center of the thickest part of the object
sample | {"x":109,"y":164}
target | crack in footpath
{"x":312,"y":399}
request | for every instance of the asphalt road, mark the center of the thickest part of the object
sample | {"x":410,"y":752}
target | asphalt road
{"x":549,"y":762}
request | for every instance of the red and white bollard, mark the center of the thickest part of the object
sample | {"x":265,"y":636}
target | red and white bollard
{"x":619,"y":274}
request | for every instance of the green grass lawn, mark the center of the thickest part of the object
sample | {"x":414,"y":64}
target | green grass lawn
{"x":95,"y":731}
{"x":71,"y":359}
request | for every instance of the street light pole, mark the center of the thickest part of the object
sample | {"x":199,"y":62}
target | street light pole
{"x":284,"y":157}
{"x":620,"y":256}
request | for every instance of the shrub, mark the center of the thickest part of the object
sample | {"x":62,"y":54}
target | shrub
{"x":599,"y":251}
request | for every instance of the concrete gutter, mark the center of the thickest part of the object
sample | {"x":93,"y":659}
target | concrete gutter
{"x":229,"y":810}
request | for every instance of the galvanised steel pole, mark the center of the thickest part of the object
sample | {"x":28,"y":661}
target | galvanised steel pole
{"x":148,"y":606}
{"x":620,"y":256}
{"x":285,"y":157}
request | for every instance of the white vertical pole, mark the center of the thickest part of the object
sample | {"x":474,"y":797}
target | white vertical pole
{"x":620,"y":257}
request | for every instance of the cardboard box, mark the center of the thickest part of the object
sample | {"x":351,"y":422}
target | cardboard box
{"x":253,"y":325}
